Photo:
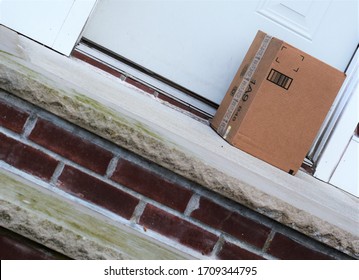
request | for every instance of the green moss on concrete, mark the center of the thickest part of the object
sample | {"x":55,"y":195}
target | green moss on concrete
{"x":92,"y":103}
{"x":12,"y":59}
{"x":112,"y":116}
{"x":64,"y":102}
{"x":62,"y":217}
{"x":7,"y":53}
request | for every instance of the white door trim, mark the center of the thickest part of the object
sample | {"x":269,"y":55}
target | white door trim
{"x":346,"y":174}
{"x":56,"y":24}
{"x":73,"y":26}
{"x":339,"y":128}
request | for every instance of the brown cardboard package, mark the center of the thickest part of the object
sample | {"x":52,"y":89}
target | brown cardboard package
{"x":277,"y":102}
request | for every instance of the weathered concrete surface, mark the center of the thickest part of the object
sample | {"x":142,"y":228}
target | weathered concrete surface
{"x":70,"y":228}
{"x":113,"y":110}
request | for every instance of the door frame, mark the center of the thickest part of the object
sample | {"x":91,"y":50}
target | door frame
{"x":339,"y":126}
{"x":61,"y":37}
{"x":334,"y":136}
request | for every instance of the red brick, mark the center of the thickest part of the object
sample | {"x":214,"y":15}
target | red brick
{"x":151,"y":185}
{"x":71,"y":146}
{"x":140,"y":85}
{"x":246,"y":230}
{"x":231,"y":222}
{"x":26,"y":158}
{"x":285,"y":248}
{"x":96,"y":63}
{"x":211,"y":213}
{"x":14,"y":250}
{"x":199,"y":113}
{"x":176,"y":228}
{"x":16,"y":247}
{"x":12,"y":118}
{"x":230,"y":251}
{"x":183,"y":106}
{"x":96,"y":191}
{"x":174,"y":102}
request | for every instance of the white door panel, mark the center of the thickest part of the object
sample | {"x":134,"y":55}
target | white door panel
{"x":200,"y":44}
{"x":346,"y":175}
{"x":302,"y":17}
{"x":345,"y":123}
{"x":54,"y":23}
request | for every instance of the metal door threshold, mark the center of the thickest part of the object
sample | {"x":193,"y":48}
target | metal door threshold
{"x":144,"y":79}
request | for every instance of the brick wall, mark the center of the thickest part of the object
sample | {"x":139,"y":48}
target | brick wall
{"x":141,"y":194}
{"x":16,"y":247}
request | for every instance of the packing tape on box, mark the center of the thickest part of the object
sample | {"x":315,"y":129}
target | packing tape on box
{"x":222,"y":129}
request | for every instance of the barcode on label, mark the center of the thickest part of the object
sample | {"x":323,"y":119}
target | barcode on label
{"x":279,"y":79}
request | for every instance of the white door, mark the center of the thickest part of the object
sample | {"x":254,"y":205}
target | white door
{"x":200,"y":44}
{"x":346,"y":174}
{"x":54,"y":23}
{"x":338,"y":158}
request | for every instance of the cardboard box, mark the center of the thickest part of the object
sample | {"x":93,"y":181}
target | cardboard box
{"x":277,"y":102}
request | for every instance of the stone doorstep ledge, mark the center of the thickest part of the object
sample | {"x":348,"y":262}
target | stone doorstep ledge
{"x":122,"y":114}
{"x":69,"y":228}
